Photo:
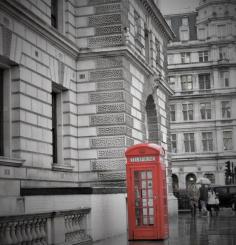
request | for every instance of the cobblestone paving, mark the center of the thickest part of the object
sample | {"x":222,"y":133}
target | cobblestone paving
{"x":186,"y":230}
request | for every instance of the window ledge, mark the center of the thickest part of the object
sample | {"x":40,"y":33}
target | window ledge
{"x":62,"y":167}
{"x":14,"y":162}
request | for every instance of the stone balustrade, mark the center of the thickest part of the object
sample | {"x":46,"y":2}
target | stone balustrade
{"x":63,"y":227}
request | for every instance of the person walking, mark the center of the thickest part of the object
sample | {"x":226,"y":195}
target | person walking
{"x":193,"y":194}
{"x":203,"y":198}
{"x":212,"y":202}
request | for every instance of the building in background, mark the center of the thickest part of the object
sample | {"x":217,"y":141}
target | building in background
{"x":202,"y":71}
{"x":80,"y":82}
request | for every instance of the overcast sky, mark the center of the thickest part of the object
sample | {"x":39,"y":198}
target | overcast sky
{"x":177,"y":6}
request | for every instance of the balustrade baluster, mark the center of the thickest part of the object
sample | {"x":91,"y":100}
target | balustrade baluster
{"x":28,"y":232}
{"x":78,"y":222}
{"x":33,"y":232}
{"x":23,"y":233}
{"x":13,"y":232}
{"x":18,"y":232}
{"x":6,"y":238}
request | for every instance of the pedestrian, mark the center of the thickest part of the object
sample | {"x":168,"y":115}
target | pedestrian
{"x":203,"y":198}
{"x":212,"y":202}
{"x":193,"y":194}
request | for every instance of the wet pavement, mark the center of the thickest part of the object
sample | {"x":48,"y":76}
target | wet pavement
{"x":185,"y":230}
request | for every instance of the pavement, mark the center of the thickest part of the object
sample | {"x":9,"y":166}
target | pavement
{"x":185,"y":230}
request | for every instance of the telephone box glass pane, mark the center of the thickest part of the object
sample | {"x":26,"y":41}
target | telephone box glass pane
{"x":144,"y":210}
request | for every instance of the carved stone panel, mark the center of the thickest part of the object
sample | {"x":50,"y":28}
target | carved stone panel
{"x":106,"y":74}
{"x":112,"y":176}
{"x":108,"y":19}
{"x":103,"y":142}
{"x":93,"y":2}
{"x":109,"y":85}
{"x":107,"y":8}
{"x":105,"y":41}
{"x":107,"y":131}
{"x":106,"y":97}
{"x":108,"y":30}
{"x":108,"y":164}
{"x":111,"y":153}
{"x":107,"y":119}
{"x":107,"y":62}
{"x":109,"y":108}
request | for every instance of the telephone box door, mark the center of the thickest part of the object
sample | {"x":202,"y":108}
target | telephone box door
{"x":144,"y":203}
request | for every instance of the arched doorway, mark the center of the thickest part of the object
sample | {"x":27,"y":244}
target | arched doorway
{"x":190,"y":178}
{"x":175,"y":183}
{"x":152,"y":122}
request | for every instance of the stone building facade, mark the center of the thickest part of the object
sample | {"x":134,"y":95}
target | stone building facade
{"x":81,"y":80}
{"x":201,"y":62}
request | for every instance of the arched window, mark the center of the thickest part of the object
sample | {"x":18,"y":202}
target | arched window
{"x":152,"y":122}
{"x":190,"y":178}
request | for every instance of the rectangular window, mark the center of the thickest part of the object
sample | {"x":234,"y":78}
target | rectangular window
{"x":1,"y":115}
{"x":201,"y":33}
{"x":57,"y":124}
{"x":189,"y":144}
{"x":158,"y":51}
{"x":187,"y":112}
{"x":226,"y":109}
{"x":221,"y":31}
{"x":203,"y":56}
{"x":227,"y":140}
{"x":171,"y":81}
{"x":205,"y":111}
{"x":172,"y":113}
{"x":185,"y":21}
{"x":137,"y":26}
{"x":185,"y":57}
{"x":54,"y":126}
{"x":184,"y":35}
{"x":147,"y":46}
{"x":186,"y":83}
{"x":223,"y":53}
{"x":207,"y":141}
{"x":204,"y":81}
{"x":224,"y":77}
{"x":54,"y":13}
{"x":173,"y":143}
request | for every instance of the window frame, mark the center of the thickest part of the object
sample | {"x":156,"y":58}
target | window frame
{"x":207,"y":141}
{"x":173,"y":143}
{"x":172,"y":112}
{"x":57,"y":121}
{"x":224,"y":75}
{"x":226,"y":109}
{"x":206,"y":110}
{"x":204,"y":81}
{"x":189,"y":142}
{"x":186,"y":81}
{"x":187,"y":110}
{"x":203,"y":56}
{"x":185,"y":57}
{"x":228,"y":140}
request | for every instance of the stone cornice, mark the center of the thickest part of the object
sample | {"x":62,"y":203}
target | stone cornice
{"x":155,"y":13}
{"x":27,"y":18}
{"x":13,"y":162}
{"x":214,"y":2}
{"x":198,"y":44}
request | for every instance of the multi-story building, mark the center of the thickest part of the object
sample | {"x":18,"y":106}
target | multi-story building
{"x":202,"y":71}
{"x":80,"y":81}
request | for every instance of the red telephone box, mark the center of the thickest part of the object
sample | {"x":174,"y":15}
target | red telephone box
{"x":146,"y":190}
